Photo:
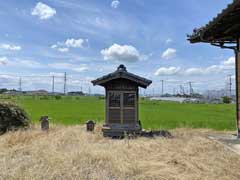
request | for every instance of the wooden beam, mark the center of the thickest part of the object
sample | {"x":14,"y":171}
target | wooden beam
{"x":237,"y":79}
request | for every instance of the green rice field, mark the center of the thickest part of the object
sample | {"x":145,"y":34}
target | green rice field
{"x":153,"y":114}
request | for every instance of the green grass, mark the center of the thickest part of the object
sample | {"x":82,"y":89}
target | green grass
{"x":153,"y":114}
{"x":169,"y":115}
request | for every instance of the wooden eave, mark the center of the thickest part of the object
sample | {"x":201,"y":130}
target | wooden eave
{"x":225,"y":28}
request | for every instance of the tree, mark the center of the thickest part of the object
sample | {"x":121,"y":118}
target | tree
{"x":3,"y":90}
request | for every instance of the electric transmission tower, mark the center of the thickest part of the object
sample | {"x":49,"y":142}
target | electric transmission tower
{"x":190,"y":88}
{"x":182,"y":90}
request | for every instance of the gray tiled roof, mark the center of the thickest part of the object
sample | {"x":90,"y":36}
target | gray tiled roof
{"x":121,"y":72}
{"x":221,"y":28}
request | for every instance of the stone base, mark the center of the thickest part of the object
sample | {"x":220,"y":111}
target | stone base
{"x":120,"y":131}
{"x":238,"y":133}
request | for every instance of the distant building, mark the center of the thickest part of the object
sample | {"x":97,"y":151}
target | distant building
{"x":215,"y":94}
{"x":37,"y":92}
{"x":76,"y":93}
{"x":218,"y":94}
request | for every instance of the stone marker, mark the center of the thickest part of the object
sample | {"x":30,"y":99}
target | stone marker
{"x":44,"y":123}
{"x":90,"y":125}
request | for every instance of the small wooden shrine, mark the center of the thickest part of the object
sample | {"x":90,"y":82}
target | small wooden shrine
{"x":224,"y":31}
{"x":121,"y":101}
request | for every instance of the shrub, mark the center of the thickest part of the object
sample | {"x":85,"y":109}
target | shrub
{"x":57,"y":97}
{"x":12,"y":117}
{"x":5,"y":97}
{"x":101,"y":97}
{"x":226,"y":99}
{"x":44,"y":97}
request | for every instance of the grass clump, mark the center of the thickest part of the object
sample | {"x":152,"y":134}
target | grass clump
{"x":72,"y":153}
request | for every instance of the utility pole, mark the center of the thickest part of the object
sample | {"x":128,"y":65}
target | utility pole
{"x":20,"y":84}
{"x":53,"y":84}
{"x":208,"y":94}
{"x":65,"y":83}
{"x":162,"y":86}
{"x":230,"y":85}
{"x":89,"y":91}
{"x":174,"y":91}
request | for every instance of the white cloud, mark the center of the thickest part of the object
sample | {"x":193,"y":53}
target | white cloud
{"x":230,"y":61}
{"x":194,"y":71}
{"x":56,"y":74}
{"x":68,"y":66}
{"x":43,"y":11}
{"x":169,"y":53}
{"x":165,"y":71}
{"x":115,"y":4}
{"x":168,"y":41}
{"x":27,"y":64}
{"x":213,"y":69}
{"x":124,"y":53}
{"x":23,"y":63}
{"x":63,"y":49}
{"x":223,"y":67}
{"x":8,"y":80}
{"x":103,"y":23}
{"x":10,"y":47}
{"x":54,"y":46}
{"x":75,"y":43}
{"x":81,"y":69}
{"x":3,"y":61}
{"x":70,"y":43}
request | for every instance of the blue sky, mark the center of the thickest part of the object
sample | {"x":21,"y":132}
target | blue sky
{"x":88,"y":39}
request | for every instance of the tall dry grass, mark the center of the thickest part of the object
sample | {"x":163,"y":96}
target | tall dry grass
{"x":72,"y":153}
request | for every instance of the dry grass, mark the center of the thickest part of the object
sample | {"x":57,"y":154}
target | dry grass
{"x":72,"y":153}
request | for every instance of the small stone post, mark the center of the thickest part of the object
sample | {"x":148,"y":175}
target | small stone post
{"x":44,"y":123}
{"x":90,"y":125}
